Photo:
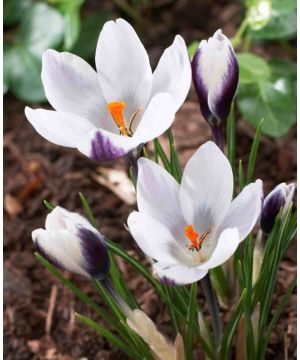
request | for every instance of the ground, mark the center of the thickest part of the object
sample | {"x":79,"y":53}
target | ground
{"x":36,"y":170}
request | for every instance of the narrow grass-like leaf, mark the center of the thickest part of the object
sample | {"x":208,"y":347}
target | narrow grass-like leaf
{"x":230,"y":135}
{"x":283,"y":302}
{"x":175,"y":165}
{"x":241,"y":176}
{"x":253,"y":153}
{"x":159,"y":152}
{"x":231,"y":327}
{"x":48,"y":205}
{"x":190,"y":316}
{"x":80,"y":294}
{"x":112,"y":338}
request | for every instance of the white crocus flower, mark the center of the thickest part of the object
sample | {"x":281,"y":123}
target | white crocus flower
{"x":106,"y":114}
{"x":192,"y":227}
{"x":71,"y":243}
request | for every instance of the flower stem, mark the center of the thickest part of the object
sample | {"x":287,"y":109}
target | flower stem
{"x":217,"y":136}
{"x":213,"y":309}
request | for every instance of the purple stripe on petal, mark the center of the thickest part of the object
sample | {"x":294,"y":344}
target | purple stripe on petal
{"x":230,"y":84}
{"x":104,"y":150}
{"x":48,"y":257}
{"x":199,"y":86}
{"x":95,"y":253}
{"x":167,"y":281}
{"x":270,"y":210}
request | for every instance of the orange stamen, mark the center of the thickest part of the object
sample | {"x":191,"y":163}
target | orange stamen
{"x":192,"y":235}
{"x":116,"y":110}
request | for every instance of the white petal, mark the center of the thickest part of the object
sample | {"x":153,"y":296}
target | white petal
{"x":157,"y":118}
{"x":59,"y":249}
{"x":206,"y":188}
{"x":158,"y":196}
{"x":123,"y":67}
{"x":71,"y":85}
{"x":178,"y":274}
{"x":100,"y":145}
{"x":58,"y":127}
{"x":245,"y":210}
{"x":173,"y":72}
{"x":60,"y":218}
{"x":227,"y":244}
{"x":155,"y":239}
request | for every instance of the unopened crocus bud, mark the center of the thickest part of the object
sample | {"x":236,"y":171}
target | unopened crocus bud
{"x":71,"y":243}
{"x":215,"y":75}
{"x":279,"y":198}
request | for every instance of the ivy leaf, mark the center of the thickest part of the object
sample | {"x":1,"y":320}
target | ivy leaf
{"x":41,"y":28}
{"x":273,"y":100}
{"x":23,"y":74}
{"x":283,"y":22}
{"x":252,"y":68}
{"x":85,"y":46}
{"x":13,"y":11}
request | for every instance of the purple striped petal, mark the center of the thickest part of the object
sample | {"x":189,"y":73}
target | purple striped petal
{"x":100,"y":145}
{"x":48,"y":257}
{"x":215,"y":75}
{"x":95,"y":254}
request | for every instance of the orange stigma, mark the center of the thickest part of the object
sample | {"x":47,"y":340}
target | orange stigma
{"x":195,"y":239}
{"x":116,"y":110}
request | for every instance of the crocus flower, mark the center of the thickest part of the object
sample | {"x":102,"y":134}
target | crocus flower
{"x":278,"y":199}
{"x":71,"y":243}
{"x":192,"y":227}
{"x":215,"y":74}
{"x":106,"y":114}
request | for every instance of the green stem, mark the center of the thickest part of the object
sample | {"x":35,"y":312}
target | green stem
{"x":213,"y":309}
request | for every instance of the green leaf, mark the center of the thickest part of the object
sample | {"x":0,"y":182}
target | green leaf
{"x":283,"y":23}
{"x":23,"y":74}
{"x":13,"y":11}
{"x":192,"y":48}
{"x":253,"y":68}
{"x":259,"y":13}
{"x":85,"y":46}
{"x":273,"y":100}
{"x":42,"y":28}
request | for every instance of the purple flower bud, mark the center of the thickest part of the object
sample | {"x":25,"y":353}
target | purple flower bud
{"x":71,"y":243}
{"x":279,"y":198}
{"x":215,"y":74}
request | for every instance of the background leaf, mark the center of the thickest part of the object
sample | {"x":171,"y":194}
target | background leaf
{"x":283,"y":23}
{"x":13,"y":10}
{"x":252,"y":68}
{"x":273,"y":100}
{"x":41,"y":28}
{"x":85,"y":46}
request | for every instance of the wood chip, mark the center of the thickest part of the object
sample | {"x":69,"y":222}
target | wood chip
{"x":118,"y":182}
{"x":12,"y":205}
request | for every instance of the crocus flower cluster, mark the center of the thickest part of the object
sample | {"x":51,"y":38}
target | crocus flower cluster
{"x":108,"y":113}
{"x":187,"y":228}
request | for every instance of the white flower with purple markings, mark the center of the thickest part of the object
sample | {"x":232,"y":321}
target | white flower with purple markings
{"x":278,"y":199}
{"x":71,"y":243}
{"x":193,"y":227}
{"x":108,"y":113}
{"x":215,"y":75}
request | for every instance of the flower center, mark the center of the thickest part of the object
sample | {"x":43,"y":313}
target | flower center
{"x":116,"y":110}
{"x":195,"y":239}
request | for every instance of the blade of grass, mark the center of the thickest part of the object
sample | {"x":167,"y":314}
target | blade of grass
{"x":230,"y":135}
{"x":190,"y":316}
{"x":253,"y":152}
{"x":158,"y":150}
{"x":112,"y":338}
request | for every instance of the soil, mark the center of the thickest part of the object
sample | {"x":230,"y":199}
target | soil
{"x":36,"y":170}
